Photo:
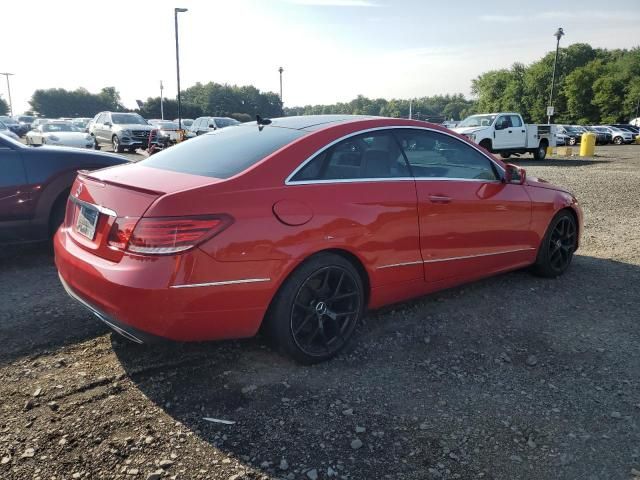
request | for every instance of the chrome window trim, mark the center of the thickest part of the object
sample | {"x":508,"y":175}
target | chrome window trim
{"x":225,"y":282}
{"x":100,"y":208}
{"x":288,"y":180}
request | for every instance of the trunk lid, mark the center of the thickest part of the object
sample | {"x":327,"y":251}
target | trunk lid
{"x":98,"y":199}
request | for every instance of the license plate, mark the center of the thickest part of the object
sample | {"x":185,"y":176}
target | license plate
{"x":87,"y":221}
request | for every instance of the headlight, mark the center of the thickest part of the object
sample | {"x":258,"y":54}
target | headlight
{"x":54,"y":138}
{"x":126,"y":131}
{"x":471,"y":137}
{"x":88,"y":137}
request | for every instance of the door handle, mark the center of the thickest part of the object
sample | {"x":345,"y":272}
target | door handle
{"x":509,"y":131}
{"x":439,"y":199}
{"x":522,"y":131}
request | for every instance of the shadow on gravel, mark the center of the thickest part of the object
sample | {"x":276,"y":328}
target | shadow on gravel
{"x":556,"y":162}
{"x":36,"y":315}
{"x":512,"y":376}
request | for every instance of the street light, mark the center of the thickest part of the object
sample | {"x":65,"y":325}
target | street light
{"x":175,"y":15}
{"x":281,"y":70}
{"x":9,"y":91}
{"x":161,"y":101}
{"x":559,"y":34}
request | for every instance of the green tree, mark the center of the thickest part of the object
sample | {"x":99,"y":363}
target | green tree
{"x":58,"y":102}
{"x":4,"y":107}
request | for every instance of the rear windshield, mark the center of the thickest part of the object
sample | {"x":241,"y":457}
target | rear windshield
{"x":225,"y":152}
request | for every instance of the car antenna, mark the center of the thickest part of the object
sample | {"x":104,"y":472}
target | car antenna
{"x":262,"y":122}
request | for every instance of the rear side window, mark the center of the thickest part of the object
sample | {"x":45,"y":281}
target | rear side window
{"x":224,"y":152}
{"x":365,"y":156}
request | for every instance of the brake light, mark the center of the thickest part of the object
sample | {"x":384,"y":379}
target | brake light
{"x":161,"y":236}
{"x":121,"y":232}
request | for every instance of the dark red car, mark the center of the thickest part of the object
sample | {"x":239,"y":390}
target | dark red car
{"x":300,"y":226}
{"x":35,"y":184}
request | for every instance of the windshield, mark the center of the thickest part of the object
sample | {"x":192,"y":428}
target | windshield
{"x":128,"y":119}
{"x":8,"y":120}
{"x":57,"y":127}
{"x":477,"y":121}
{"x":167,"y":125}
{"x":226,"y":122}
{"x":224,"y":152}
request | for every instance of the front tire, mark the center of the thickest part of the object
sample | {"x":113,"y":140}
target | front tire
{"x":317,"y":309}
{"x":572,"y":141}
{"x":115,"y":142}
{"x":617,"y":140}
{"x":557,"y":247}
{"x":505,"y":155}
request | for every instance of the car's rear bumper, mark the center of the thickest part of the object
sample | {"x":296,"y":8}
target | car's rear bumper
{"x":145,"y":298}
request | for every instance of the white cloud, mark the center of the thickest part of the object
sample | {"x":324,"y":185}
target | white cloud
{"x":501,"y":18}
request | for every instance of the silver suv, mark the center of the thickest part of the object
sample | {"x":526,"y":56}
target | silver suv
{"x":121,"y":131}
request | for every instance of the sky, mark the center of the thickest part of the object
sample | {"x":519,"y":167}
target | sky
{"x":331,"y":50}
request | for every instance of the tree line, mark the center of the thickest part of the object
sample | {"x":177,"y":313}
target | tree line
{"x":592,"y":86}
{"x":4,"y":107}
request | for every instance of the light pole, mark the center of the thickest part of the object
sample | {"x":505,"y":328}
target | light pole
{"x":559,"y":34}
{"x":161,"y":101}
{"x":175,"y":15}
{"x":9,"y":91}
{"x":281,"y":70}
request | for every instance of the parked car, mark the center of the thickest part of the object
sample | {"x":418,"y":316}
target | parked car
{"x":35,"y":184}
{"x":186,"y":122}
{"x":80,"y":123}
{"x":603,"y":137}
{"x":25,"y":121}
{"x":60,"y":133}
{"x":121,"y":130}
{"x":39,"y":121}
{"x":627,"y":126}
{"x":12,"y":125}
{"x":618,"y":136}
{"x":209,"y":124}
{"x":167,"y":129}
{"x":573,"y":134}
{"x":4,"y":130}
{"x":506,"y":133}
{"x":299,"y":226}
{"x":561,"y":139}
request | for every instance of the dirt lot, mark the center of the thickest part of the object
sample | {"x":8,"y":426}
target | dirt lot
{"x":514,"y":377}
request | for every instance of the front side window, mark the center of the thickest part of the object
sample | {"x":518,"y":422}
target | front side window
{"x":364,"y":156}
{"x":436,"y":155}
{"x":503,"y":122}
{"x":515,"y":121}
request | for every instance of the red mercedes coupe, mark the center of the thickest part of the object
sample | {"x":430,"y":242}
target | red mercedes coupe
{"x":299,"y":225}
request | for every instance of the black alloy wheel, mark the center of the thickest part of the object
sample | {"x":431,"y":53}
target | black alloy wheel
{"x":315,"y":313}
{"x":558,"y":245}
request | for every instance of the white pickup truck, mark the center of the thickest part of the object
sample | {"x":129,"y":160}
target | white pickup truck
{"x":505,"y":133}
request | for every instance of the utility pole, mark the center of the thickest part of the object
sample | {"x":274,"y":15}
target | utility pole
{"x":410,"y":106}
{"x":175,"y":14}
{"x":550,"y":111}
{"x":161,"y":101}
{"x":9,"y":92}
{"x":281,"y":70}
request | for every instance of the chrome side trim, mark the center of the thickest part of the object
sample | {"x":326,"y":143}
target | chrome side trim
{"x":404,"y":264}
{"x":288,"y":181}
{"x":100,"y":208}
{"x":479,"y":255}
{"x":218,"y":284}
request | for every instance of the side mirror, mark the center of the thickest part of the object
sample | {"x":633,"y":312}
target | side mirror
{"x":212,"y":126}
{"x":107,"y":124}
{"x":514,"y":174}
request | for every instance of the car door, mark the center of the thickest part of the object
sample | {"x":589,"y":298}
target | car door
{"x":518,"y":132}
{"x":15,"y":207}
{"x":365,"y":177}
{"x":471,"y":223}
{"x":503,"y":133}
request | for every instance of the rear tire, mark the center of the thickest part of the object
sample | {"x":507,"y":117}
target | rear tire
{"x":505,"y":155}
{"x":57,"y":213}
{"x":572,"y":141}
{"x":541,"y":152}
{"x":557,"y":246}
{"x":617,"y":140}
{"x":314,"y":314}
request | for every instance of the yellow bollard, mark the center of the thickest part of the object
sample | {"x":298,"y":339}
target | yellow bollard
{"x":588,"y":144}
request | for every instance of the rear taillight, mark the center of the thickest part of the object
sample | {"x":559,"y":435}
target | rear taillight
{"x":166,"y":235}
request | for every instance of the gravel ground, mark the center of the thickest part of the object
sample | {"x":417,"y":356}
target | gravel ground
{"x":514,"y":377}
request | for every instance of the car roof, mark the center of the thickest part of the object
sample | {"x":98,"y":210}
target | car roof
{"x":308,"y":122}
